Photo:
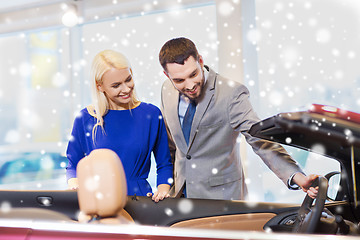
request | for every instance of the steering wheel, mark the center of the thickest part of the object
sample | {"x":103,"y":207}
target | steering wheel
{"x":308,"y":218}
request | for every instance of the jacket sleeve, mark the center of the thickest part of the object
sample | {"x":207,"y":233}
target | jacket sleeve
{"x":242,"y":116}
{"x":172,"y":146}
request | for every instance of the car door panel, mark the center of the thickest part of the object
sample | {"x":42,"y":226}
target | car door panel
{"x":60,"y":201}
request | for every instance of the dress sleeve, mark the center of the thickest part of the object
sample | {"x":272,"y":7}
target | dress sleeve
{"x":164,"y":166}
{"x":74,"y":150}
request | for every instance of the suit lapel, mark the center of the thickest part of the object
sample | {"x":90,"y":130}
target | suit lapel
{"x":203,"y":105}
{"x":173,"y":115}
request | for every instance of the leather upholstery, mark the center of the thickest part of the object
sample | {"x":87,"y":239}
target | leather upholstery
{"x":102,"y":191}
{"x":248,"y":222}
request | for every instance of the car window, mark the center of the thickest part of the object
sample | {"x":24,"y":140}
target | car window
{"x":315,"y":163}
{"x":265,"y":186}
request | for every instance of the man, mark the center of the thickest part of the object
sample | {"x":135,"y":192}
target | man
{"x":206,"y":154}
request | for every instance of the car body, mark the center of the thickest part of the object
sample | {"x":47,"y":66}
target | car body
{"x":338,"y":132}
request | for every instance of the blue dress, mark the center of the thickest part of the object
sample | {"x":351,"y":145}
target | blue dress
{"x":133,"y":134}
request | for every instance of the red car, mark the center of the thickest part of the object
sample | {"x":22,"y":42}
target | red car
{"x":34,"y":215}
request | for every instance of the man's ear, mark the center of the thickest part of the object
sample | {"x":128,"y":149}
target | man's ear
{"x":201,"y":61}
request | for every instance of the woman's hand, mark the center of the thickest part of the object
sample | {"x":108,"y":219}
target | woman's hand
{"x":161,"y":193}
{"x":73,"y":184}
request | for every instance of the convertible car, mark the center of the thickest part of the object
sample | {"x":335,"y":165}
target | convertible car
{"x":107,"y":213}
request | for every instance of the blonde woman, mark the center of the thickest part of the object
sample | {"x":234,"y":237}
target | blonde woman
{"x":117,"y":120}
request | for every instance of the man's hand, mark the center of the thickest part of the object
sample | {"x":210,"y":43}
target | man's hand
{"x":305,"y":183}
{"x":161,"y":193}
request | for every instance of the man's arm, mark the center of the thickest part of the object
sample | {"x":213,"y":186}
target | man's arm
{"x":242,"y":116}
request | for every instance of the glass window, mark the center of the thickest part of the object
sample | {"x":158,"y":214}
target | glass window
{"x":299,"y":53}
{"x":45,"y":82}
{"x":306,"y":53}
{"x":272,"y":189}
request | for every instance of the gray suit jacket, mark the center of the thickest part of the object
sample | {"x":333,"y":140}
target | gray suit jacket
{"x":211,"y":166}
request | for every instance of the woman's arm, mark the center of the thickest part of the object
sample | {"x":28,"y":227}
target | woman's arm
{"x":164,"y":166}
{"x":73,"y":184}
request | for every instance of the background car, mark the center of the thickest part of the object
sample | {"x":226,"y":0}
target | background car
{"x":33,"y":166}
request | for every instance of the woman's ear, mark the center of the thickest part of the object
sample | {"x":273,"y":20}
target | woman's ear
{"x":99,"y":87}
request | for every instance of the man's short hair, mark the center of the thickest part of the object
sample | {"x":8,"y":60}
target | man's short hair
{"x":177,"y":50}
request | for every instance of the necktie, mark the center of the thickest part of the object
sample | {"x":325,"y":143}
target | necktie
{"x":188,"y":118}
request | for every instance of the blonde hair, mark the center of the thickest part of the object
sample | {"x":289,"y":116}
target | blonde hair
{"x":103,"y":62}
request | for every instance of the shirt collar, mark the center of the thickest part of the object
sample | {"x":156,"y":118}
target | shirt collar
{"x":206,"y":74}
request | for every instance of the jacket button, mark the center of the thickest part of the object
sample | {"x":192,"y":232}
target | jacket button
{"x":188,"y":157}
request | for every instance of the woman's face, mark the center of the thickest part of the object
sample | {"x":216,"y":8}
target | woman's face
{"x":118,"y":86}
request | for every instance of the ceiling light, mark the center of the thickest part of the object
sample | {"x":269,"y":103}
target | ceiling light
{"x":70,"y":17}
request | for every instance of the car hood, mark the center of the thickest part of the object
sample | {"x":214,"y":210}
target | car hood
{"x":337,"y":137}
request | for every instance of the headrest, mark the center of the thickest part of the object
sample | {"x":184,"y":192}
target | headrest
{"x":102,"y":183}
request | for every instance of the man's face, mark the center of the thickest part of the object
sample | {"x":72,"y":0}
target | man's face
{"x":188,"y":78}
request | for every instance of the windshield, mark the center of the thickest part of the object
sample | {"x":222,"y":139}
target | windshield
{"x":267,"y":187}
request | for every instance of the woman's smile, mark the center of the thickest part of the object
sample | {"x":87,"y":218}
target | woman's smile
{"x":125,"y":96}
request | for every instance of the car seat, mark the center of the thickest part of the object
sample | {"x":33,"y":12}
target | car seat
{"x":102,"y":191}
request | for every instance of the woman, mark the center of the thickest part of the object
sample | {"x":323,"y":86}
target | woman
{"x":120,"y":122}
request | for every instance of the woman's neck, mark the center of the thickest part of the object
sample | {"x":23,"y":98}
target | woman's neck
{"x":131,"y":105}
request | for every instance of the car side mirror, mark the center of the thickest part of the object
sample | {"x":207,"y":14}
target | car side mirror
{"x":334,"y":184}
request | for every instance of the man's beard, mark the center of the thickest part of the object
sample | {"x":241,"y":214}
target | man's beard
{"x":200,"y":90}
